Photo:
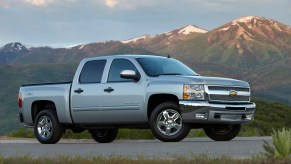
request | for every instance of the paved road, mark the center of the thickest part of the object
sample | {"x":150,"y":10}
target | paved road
{"x":241,"y":147}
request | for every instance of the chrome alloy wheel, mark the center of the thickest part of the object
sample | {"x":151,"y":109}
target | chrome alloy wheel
{"x":169,"y":122}
{"x":44,"y":127}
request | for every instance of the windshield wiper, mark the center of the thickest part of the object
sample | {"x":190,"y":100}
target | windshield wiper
{"x":166,"y":74}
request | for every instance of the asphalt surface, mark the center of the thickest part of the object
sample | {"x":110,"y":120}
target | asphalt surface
{"x":240,"y":147}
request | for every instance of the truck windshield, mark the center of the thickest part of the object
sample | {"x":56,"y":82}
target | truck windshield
{"x":157,"y":66}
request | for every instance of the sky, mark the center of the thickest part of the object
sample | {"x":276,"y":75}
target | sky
{"x":64,"y":23}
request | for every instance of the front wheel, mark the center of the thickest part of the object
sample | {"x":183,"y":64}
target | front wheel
{"x":222,"y":132}
{"x":167,"y":124}
{"x":104,"y":135}
{"x":47,"y":128}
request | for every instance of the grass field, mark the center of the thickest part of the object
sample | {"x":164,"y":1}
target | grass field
{"x":140,"y":160}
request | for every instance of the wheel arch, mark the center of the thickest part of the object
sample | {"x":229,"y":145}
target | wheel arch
{"x":156,"y":99}
{"x":39,"y":105}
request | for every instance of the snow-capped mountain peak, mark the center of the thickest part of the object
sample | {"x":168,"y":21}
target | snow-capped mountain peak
{"x":133,"y":40}
{"x":190,"y":28}
{"x":14,"y":47}
{"x":18,"y":46}
{"x":186,"y":30}
{"x":246,"y":19}
{"x":252,"y":22}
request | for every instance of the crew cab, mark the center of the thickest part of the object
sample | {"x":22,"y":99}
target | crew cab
{"x":136,"y":91}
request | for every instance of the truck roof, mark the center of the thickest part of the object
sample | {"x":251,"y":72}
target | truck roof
{"x":122,"y":55}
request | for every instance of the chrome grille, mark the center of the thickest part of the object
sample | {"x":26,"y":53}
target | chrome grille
{"x":228,"y":98}
{"x":221,"y":88}
{"x":222,"y":94}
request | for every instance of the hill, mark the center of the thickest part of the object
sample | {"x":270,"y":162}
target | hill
{"x":12,"y":77}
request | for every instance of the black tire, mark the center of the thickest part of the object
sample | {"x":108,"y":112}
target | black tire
{"x":223,"y":132}
{"x":47,"y":128}
{"x":160,"y":130}
{"x":104,"y":135}
{"x":77,"y":129}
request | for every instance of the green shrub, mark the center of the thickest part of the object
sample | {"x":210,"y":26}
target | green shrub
{"x":282,"y":145}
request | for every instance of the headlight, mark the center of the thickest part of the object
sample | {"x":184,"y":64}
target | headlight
{"x":194,"y":92}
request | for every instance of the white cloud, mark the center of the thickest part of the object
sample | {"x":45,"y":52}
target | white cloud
{"x":39,"y":2}
{"x":111,"y":3}
{"x":17,"y":3}
{"x":131,"y":4}
{"x":6,"y":4}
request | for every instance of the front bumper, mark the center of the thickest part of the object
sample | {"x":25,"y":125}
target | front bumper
{"x":204,"y":112}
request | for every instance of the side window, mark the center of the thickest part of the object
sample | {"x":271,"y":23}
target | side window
{"x":117,"y":66}
{"x":92,"y":71}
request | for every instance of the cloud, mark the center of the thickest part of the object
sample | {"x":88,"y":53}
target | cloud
{"x":46,"y":2}
{"x":111,"y":3}
{"x":22,"y":3}
{"x":6,"y":4}
{"x":131,"y":4}
{"x":39,"y":2}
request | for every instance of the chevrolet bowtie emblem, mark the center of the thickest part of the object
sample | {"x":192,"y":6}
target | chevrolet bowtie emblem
{"x":232,"y":93}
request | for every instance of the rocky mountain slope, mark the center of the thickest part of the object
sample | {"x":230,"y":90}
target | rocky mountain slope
{"x":246,"y":42}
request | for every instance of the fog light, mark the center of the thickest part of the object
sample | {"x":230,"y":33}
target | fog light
{"x":249,"y":117}
{"x":201,"y":116}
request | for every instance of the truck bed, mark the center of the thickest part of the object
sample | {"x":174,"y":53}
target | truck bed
{"x":56,"y":93}
{"x":36,"y":84}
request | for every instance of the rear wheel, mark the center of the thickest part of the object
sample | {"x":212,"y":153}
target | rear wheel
{"x":223,"y":132}
{"x":47,"y":128}
{"x":167,"y":124}
{"x":104,"y":135}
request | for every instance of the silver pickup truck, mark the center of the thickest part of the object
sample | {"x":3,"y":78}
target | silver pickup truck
{"x":136,"y":91}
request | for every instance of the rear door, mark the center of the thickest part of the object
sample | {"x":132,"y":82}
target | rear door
{"x":87,"y":92}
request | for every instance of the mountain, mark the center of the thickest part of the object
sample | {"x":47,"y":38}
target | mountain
{"x":36,"y":55}
{"x":251,"y":42}
{"x":14,"y":47}
{"x":165,"y":43}
{"x":246,"y":42}
{"x":171,"y":35}
{"x":12,"y":51}
{"x":254,"y":49}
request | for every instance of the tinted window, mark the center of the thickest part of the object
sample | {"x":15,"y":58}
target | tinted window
{"x":117,"y":66}
{"x":157,"y":66}
{"x":92,"y":71}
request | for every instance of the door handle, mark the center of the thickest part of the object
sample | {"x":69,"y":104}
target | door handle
{"x":79,"y":90}
{"x":109,"y":89}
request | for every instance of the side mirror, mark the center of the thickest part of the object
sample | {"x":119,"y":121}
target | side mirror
{"x":130,"y":74}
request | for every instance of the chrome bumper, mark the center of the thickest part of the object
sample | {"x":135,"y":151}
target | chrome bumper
{"x":204,"y":112}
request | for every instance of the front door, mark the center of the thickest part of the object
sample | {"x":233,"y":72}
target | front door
{"x":122,"y":99}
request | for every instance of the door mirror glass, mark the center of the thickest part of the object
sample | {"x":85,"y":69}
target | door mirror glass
{"x":129,"y":74}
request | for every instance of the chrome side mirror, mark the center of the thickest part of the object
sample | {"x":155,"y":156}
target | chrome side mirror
{"x":130,"y":74}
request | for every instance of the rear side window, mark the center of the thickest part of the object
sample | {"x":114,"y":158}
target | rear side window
{"x":92,"y":71}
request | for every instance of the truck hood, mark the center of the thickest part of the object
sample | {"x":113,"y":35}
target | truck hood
{"x":200,"y":80}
